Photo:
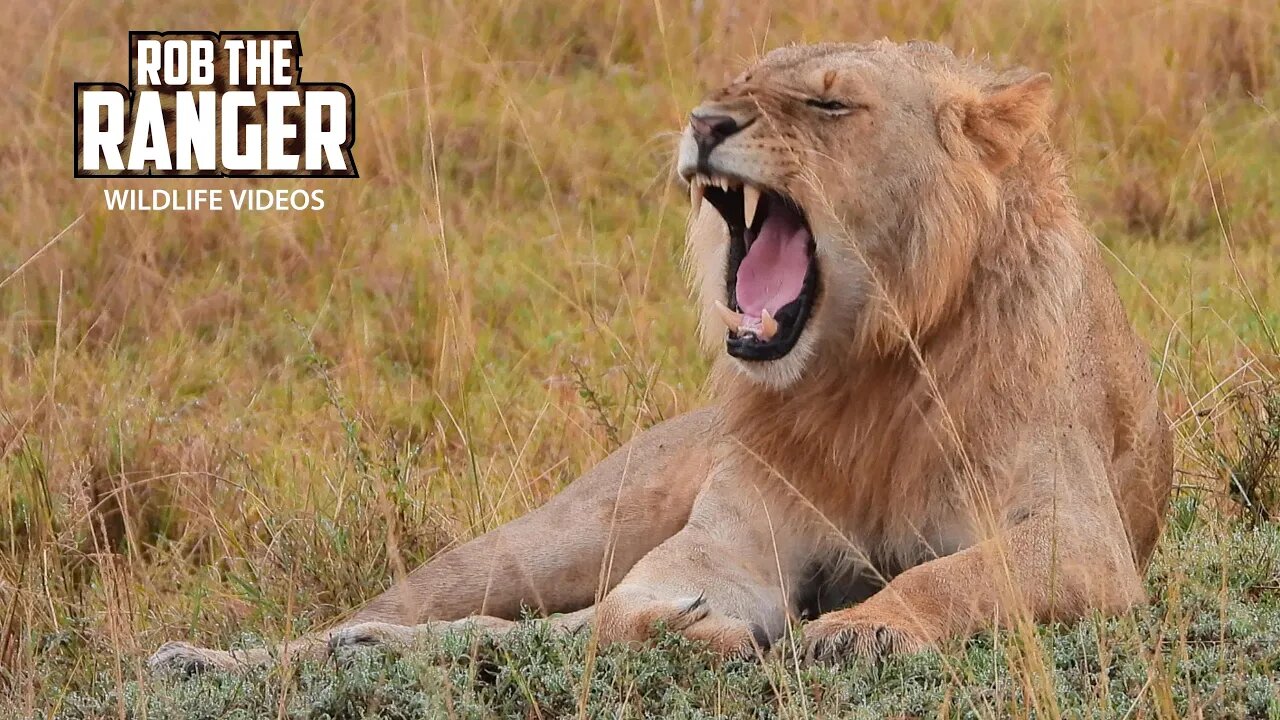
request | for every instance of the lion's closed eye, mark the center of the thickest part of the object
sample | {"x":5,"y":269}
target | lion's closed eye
{"x":834,"y":107}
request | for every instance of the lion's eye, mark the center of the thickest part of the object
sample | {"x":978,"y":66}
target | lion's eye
{"x":832,"y":107}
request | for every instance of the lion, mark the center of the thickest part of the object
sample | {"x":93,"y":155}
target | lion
{"x":931,"y":414}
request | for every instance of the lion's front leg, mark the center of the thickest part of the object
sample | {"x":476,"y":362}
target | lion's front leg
{"x":1038,"y":570}
{"x":723,"y":580}
{"x":558,"y":558}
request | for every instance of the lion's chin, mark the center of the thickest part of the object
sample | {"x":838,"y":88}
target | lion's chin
{"x":780,"y":374}
{"x":771,"y":274}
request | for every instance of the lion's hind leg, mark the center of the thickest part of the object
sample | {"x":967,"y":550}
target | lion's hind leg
{"x":185,"y":657}
{"x":381,"y":634}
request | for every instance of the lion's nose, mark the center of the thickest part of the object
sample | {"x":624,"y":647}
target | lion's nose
{"x":711,"y":130}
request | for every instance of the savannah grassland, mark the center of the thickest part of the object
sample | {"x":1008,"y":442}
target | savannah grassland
{"x":221,"y":427}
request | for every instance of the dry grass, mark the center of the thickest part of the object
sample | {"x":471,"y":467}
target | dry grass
{"x":214,"y":423}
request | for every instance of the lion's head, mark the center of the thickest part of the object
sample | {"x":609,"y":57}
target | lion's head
{"x":853,"y":188}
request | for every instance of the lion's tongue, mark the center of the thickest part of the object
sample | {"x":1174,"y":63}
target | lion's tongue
{"x":772,"y":273}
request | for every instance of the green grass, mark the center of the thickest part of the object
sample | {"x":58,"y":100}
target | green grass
{"x":220,"y":426}
{"x":1214,"y":628}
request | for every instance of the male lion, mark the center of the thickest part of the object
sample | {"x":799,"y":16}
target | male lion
{"x":931,"y":412}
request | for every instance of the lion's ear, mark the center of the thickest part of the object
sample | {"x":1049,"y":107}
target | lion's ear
{"x":998,"y":121}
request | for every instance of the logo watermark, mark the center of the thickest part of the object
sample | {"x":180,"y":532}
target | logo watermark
{"x":205,"y":104}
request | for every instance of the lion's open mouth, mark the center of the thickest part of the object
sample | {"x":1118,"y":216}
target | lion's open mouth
{"x":771,"y":277}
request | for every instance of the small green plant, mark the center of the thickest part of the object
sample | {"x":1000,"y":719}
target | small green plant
{"x":1252,"y":461}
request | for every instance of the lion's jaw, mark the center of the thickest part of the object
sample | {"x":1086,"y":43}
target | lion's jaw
{"x":761,"y":298}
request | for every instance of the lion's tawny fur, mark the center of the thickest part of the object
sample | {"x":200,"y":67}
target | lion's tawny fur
{"x":968,"y":417}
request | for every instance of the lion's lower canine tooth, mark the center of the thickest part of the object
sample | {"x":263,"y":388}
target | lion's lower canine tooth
{"x":750,"y":198}
{"x":733,"y":320}
{"x":768,"y":326}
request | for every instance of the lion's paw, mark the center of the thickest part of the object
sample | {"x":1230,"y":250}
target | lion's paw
{"x":842,"y":635}
{"x":692,"y":617}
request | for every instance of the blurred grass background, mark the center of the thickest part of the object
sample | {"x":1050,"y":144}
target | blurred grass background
{"x":214,"y":424}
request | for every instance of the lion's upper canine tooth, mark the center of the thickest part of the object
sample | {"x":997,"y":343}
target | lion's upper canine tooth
{"x":696,"y":191}
{"x":768,"y":326}
{"x":750,"y":198}
{"x":733,"y":320}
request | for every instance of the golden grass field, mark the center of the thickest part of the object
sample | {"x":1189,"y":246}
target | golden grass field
{"x":220,"y":424}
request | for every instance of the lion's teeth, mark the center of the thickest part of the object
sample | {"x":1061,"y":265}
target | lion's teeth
{"x":733,"y":320}
{"x":750,"y":198}
{"x":768,"y":326}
